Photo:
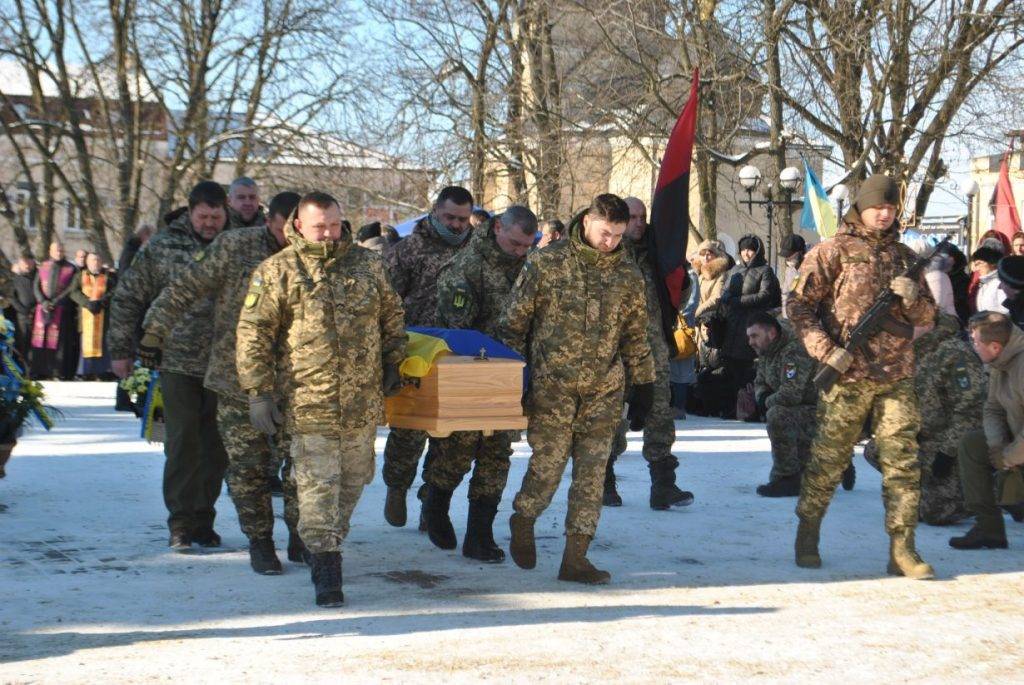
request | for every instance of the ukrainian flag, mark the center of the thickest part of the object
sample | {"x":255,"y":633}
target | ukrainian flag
{"x":817,"y":215}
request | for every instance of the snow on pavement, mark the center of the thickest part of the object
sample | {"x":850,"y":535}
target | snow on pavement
{"x":89,"y":592}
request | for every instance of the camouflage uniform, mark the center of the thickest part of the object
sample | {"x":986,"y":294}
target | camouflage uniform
{"x":223,"y":271}
{"x":321,"y":320}
{"x":576,"y":317}
{"x":194,"y":470}
{"x":951,"y":387}
{"x":413,"y":265}
{"x":473,"y":290}
{"x":785,"y":386}
{"x":235,"y":219}
{"x":838,"y":281}
{"x":660,"y":428}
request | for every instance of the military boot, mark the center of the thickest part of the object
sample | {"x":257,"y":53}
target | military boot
{"x":849,"y":478}
{"x":180,"y":540}
{"x":479,"y":541}
{"x":523,"y":546}
{"x":611,"y":495}
{"x":787,"y":486}
{"x":576,"y":567}
{"x":664,"y":493}
{"x":263,"y":558}
{"x":807,"y":533}
{"x":904,"y":559}
{"x":394,"y":507}
{"x":988,"y":532}
{"x":439,"y":524}
{"x":206,"y":536}
{"x":1016,"y":511}
{"x":325,"y":571}
{"x":297,"y":551}
{"x":421,"y":495}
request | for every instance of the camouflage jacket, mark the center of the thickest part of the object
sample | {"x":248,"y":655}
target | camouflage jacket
{"x":413,"y":265}
{"x":321,"y":320}
{"x":576,"y":316}
{"x":221,"y":271}
{"x":474,"y":287}
{"x":951,"y":388}
{"x":158,"y":263}
{"x":785,"y":374}
{"x":235,"y":219}
{"x":838,"y":282}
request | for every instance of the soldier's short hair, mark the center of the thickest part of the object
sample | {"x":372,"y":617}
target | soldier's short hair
{"x":764,"y":319}
{"x":283,"y":204}
{"x":992,"y":327}
{"x":319,"y":199}
{"x":553,"y":226}
{"x":609,"y":207}
{"x":457,"y":194}
{"x":481,"y":214}
{"x":207,"y":193}
{"x":242,"y":182}
{"x":520,"y":217}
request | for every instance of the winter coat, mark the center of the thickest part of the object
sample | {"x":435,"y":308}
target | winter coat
{"x":321,"y":320}
{"x":413,"y":265}
{"x":710,"y":324}
{"x":1003,"y":413}
{"x":785,"y":374}
{"x":751,"y":288}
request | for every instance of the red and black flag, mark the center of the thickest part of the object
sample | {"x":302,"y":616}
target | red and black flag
{"x":670,"y":214}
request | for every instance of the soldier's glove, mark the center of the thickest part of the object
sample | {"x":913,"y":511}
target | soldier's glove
{"x":840,"y":360}
{"x":264,"y":414}
{"x":641,"y":399}
{"x":150,"y":351}
{"x":392,"y":380}
{"x":943,"y":465}
{"x":906,"y":289}
{"x":762,"y":403}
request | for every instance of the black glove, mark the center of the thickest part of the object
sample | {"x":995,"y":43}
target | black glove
{"x":392,"y":380}
{"x":150,"y":352}
{"x":943,"y":465}
{"x":641,"y":399}
{"x":762,"y":403}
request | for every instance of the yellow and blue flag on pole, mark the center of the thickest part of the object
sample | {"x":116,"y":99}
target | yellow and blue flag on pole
{"x":817,"y":215}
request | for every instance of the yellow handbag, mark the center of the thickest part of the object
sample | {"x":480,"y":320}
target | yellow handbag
{"x":686,"y":340}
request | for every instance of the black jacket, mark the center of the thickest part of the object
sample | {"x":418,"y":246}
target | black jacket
{"x":24,"y":294}
{"x":751,"y":288}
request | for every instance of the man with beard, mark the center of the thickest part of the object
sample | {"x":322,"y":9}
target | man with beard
{"x":244,"y":208}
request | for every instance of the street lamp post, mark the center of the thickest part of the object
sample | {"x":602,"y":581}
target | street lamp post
{"x":971,"y":190}
{"x":750,"y":178}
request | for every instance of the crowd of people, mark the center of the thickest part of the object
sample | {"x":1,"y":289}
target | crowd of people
{"x":278,"y":333}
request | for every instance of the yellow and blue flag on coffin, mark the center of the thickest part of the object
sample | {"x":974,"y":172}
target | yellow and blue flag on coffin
{"x":817,"y":215}
{"x":427,"y":344}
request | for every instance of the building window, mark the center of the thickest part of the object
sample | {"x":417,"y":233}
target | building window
{"x":73,"y":216}
{"x":24,"y":207}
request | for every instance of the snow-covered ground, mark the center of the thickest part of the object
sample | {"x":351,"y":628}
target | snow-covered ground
{"x":89,"y":591}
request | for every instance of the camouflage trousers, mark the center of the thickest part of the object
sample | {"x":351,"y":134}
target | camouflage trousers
{"x":790,"y":430}
{"x":456,"y":454}
{"x":841,"y":414}
{"x":402,"y":455}
{"x":942,"y":499}
{"x":660,"y":429}
{"x":561,"y":427}
{"x":330,"y":474}
{"x":253,"y":459}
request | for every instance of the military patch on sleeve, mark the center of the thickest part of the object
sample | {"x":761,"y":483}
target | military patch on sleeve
{"x":255,"y":290}
{"x":963,"y":379}
{"x":790,"y":371}
{"x":460,"y":299}
{"x":199,"y":255}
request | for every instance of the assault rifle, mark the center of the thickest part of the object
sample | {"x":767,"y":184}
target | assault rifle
{"x":878,"y":319}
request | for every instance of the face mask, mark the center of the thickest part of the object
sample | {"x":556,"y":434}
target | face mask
{"x":448,"y":235}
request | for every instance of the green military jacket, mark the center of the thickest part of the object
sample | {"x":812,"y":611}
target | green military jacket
{"x":413,"y":265}
{"x":223,"y":272}
{"x":577,"y":316}
{"x":158,"y":263}
{"x":473,"y":288}
{"x":785,"y":374}
{"x":321,"y":319}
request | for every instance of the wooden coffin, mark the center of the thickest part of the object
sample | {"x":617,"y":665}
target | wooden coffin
{"x":462,"y":394}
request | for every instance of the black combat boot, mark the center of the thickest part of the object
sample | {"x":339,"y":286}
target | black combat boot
{"x":439,"y":524}
{"x":904,"y":559}
{"x":394,"y":507}
{"x":479,"y":541}
{"x":180,"y":540}
{"x":576,"y":567}
{"x":523,"y":546}
{"x":849,"y":477}
{"x":1016,"y":511}
{"x":206,"y":536}
{"x":611,"y":495}
{"x":325,"y":570}
{"x":664,"y":493}
{"x":988,"y":532}
{"x":297,"y":551}
{"x":276,"y":486}
{"x":263,"y":558}
{"x":807,"y":534}
{"x":787,"y":486}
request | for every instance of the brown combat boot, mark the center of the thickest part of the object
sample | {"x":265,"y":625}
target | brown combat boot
{"x":807,"y":534}
{"x":575,"y":565}
{"x":904,"y":559}
{"x":523,"y":547}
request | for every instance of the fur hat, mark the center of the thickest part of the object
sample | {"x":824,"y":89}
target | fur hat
{"x":986,"y":254}
{"x":1011,"y":272}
